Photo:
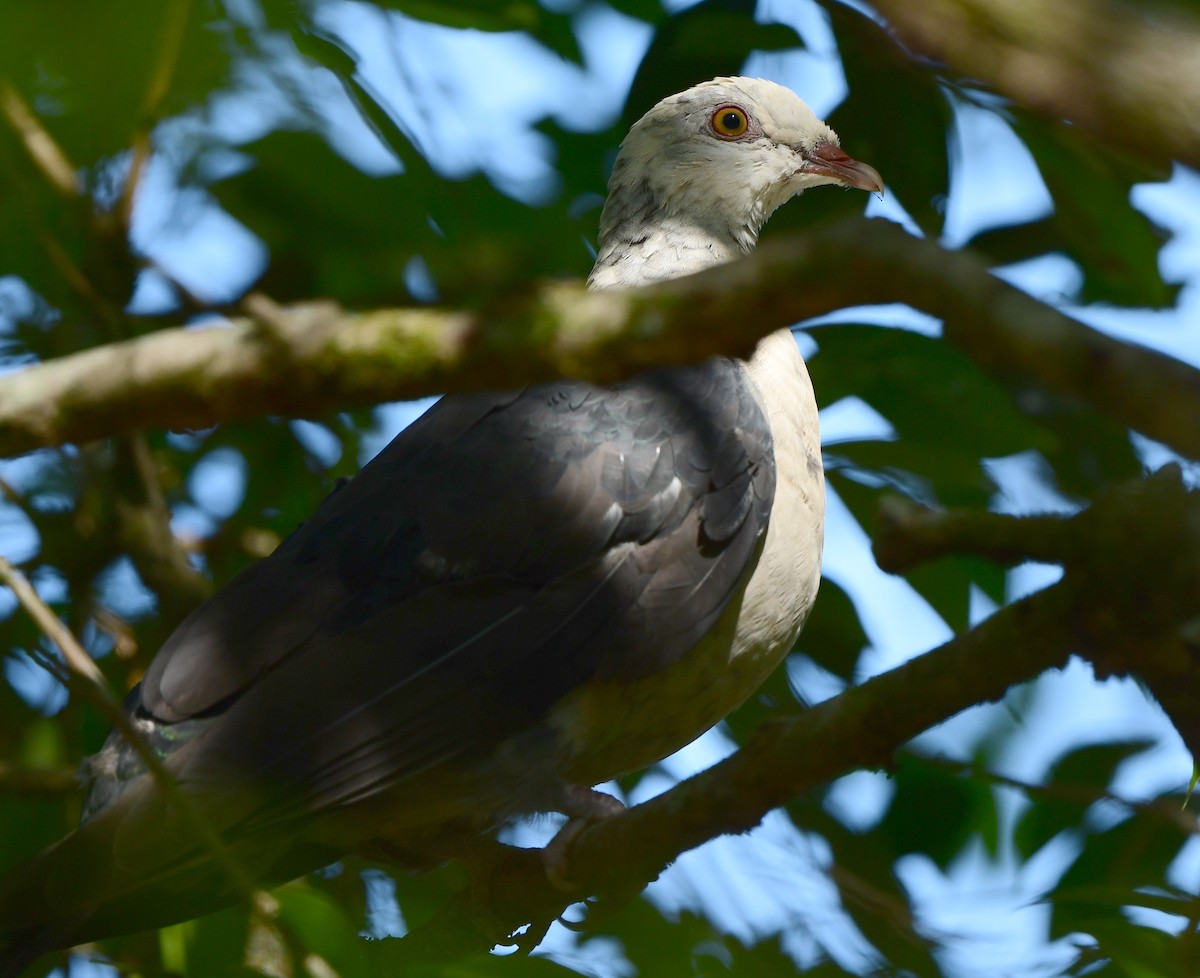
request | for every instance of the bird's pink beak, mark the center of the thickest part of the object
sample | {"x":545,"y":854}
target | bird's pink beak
{"x":831,"y":161}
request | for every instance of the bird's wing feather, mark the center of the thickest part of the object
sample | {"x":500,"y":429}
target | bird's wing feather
{"x":497,"y":554}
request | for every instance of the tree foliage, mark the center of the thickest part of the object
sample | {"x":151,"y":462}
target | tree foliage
{"x":162,"y":161}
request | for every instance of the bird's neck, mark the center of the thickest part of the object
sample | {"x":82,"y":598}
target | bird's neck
{"x":644,"y":244}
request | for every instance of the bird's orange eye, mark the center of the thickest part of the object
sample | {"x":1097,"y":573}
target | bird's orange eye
{"x":730,"y":122}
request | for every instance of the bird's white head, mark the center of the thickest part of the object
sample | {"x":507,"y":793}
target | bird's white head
{"x":700,"y":173}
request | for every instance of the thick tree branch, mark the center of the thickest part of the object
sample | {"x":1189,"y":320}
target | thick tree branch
{"x":908,"y":534}
{"x":860,"y":728}
{"x":1111,"y":606}
{"x":143,"y":530}
{"x":308,"y":359}
{"x":1133,"y":558}
{"x":1130,"y":77}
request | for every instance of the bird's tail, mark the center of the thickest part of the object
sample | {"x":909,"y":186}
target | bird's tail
{"x":30,"y":923}
{"x":134,"y":866}
{"x":75,"y":892}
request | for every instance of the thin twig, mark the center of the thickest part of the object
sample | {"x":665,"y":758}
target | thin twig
{"x":1078,"y":794}
{"x":91,"y":684}
{"x":170,"y":44}
{"x":39,"y":144}
{"x":39,"y":781}
{"x":54,"y":164}
{"x":908,"y":534}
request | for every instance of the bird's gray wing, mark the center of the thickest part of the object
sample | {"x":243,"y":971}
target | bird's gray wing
{"x":500,"y":552}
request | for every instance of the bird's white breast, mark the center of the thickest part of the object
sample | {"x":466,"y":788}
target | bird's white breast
{"x":607,"y":728}
{"x":784,"y":583}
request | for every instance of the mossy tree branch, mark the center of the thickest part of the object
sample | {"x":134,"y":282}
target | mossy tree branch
{"x":309,"y":359}
{"x":860,"y":728}
{"x":1131,"y":77}
{"x":1108,"y":607}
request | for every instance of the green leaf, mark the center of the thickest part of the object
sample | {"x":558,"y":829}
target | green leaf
{"x":931,"y":392}
{"x":1093,"y":223}
{"x":965,"y":810}
{"x":1137,"y":951}
{"x":656,"y":944}
{"x":89,"y":84}
{"x":895,"y":117}
{"x":930,"y":474}
{"x":212,"y":946}
{"x":775,"y":698}
{"x":1074,"y":782}
{"x":1087,"y":450}
{"x":323,"y":928}
{"x":861,"y":471}
{"x":547,"y":26}
{"x":333,"y":230}
{"x":93,"y":90}
{"x":1110,"y":868}
{"x":709,"y":39}
{"x":946,"y":584}
{"x":833,"y":636}
{"x":864,"y":874}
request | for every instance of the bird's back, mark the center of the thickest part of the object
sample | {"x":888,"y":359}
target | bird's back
{"x":503,"y":552}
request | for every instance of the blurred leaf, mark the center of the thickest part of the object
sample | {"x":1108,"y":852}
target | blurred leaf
{"x":833,"y":636}
{"x":89,"y":84}
{"x":333,"y":230}
{"x":863,"y":872}
{"x":774,"y":699}
{"x":655,"y":943}
{"x":551,"y":28}
{"x":933,"y":475}
{"x":28,"y":823}
{"x":284,"y":485}
{"x":946,"y":584}
{"x":38,"y":221}
{"x":324,"y":927}
{"x":42,"y":746}
{"x":1087,"y":449}
{"x":895,"y":116}
{"x":931,"y":392}
{"x":1108,"y":870}
{"x":708,"y":39}
{"x":479,"y":966}
{"x":420,"y":896}
{"x":320,"y":217}
{"x":765,"y":957}
{"x":965,"y":810}
{"x":1093,"y":223}
{"x":479,"y":15}
{"x":89,"y":88}
{"x":1136,"y":951}
{"x":1061,"y":808}
{"x":212,"y":946}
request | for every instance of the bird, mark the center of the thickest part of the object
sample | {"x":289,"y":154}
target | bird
{"x":524,"y":595}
